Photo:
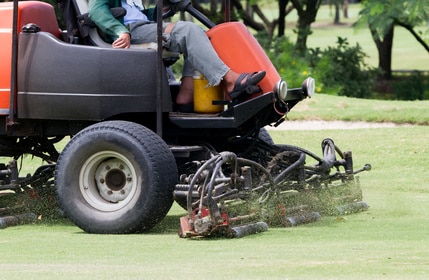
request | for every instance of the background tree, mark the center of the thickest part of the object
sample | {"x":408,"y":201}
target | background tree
{"x":382,"y":16}
{"x":307,"y":12}
{"x":346,"y":8}
{"x":306,"y":9}
{"x":337,"y":5}
{"x":215,"y":12}
{"x":284,"y":10}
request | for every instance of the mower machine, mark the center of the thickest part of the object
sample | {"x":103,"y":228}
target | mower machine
{"x":128,"y":155}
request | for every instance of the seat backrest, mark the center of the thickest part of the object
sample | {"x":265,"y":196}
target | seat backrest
{"x":68,"y":12}
{"x":72,"y":10}
{"x":40,"y":13}
{"x":74,"y":13}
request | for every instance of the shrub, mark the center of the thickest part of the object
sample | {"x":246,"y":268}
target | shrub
{"x":292,"y":66}
{"x":342,"y":69}
{"x":338,"y":70}
{"x":412,"y":87}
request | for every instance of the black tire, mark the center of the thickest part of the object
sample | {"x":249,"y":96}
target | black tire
{"x":116,"y":177}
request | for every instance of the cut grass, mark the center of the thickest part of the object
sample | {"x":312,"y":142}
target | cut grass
{"x":389,"y":241}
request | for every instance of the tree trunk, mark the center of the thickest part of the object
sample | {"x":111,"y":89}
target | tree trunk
{"x":282,"y":17}
{"x":337,"y":13}
{"x":270,"y":25}
{"x":247,"y":19}
{"x":305,"y":18}
{"x":384,"y":48}
{"x":303,"y":31}
{"x":346,"y":9}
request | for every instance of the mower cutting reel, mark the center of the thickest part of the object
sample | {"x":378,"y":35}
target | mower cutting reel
{"x":224,"y":198}
{"x":233,"y":196}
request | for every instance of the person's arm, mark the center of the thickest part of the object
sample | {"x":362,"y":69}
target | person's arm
{"x":99,"y":12}
{"x":123,"y":42}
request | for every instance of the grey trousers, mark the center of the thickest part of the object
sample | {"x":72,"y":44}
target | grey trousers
{"x":190,"y":40}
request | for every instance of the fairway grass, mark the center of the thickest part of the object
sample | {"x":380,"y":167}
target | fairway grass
{"x":389,"y":241}
{"x":329,"y":107}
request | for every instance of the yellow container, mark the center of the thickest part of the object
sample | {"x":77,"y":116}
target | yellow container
{"x":204,"y":96}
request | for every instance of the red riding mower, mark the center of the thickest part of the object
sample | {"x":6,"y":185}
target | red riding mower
{"x":130,"y":155}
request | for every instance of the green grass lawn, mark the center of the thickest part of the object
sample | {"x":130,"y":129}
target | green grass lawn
{"x":329,"y":107}
{"x":389,"y":241}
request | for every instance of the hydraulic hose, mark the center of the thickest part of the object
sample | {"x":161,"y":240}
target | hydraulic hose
{"x":291,"y":168}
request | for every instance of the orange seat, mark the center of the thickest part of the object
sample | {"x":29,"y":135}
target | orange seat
{"x":39,"y":13}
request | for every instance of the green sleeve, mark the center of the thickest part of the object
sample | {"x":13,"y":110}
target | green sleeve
{"x":99,"y":12}
{"x":150,"y":13}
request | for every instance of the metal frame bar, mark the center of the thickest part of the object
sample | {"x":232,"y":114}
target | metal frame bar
{"x":14,"y":65}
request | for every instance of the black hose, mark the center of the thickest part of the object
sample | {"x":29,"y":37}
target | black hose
{"x":291,"y":168}
{"x":211,"y":203}
{"x":308,"y":153}
{"x":194,"y":180}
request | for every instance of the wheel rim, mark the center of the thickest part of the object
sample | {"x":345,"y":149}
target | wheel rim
{"x":108,"y":181}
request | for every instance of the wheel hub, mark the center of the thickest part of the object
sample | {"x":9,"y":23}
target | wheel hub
{"x":108,"y":181}
{"x":114,"y":180}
